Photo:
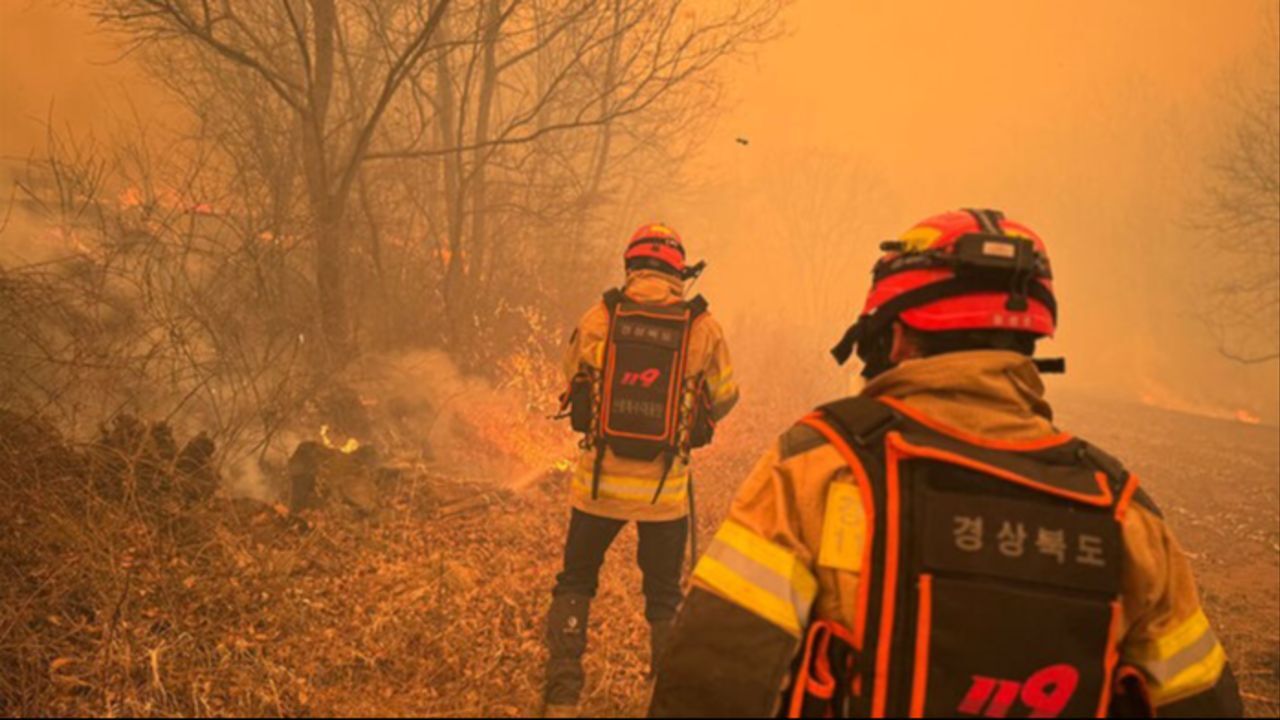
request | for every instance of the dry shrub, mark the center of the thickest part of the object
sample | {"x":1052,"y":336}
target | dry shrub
{"x":129,"y":589}
{"x":123,"y":595}
{"x":100,"y":541}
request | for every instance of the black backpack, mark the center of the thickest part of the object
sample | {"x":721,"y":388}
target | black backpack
{"x":636,"y":407}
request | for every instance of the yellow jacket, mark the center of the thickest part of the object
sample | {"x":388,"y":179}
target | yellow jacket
{"x":627,"y":486}
{"x":775,"y":533}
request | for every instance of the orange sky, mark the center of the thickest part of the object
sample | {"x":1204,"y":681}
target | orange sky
{"x":886,"y":74}
{"x":893,"y":80}
{"x":52,"y":58}
{"x":1090,"y":120}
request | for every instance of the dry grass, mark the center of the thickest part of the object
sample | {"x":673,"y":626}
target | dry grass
{"x":120,"y":594}
{"x":130,"y":598}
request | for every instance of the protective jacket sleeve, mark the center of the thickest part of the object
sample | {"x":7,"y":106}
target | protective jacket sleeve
{"x":740,"y":628}
{"x":719,"y":373}
{"x":586,"y":343}
{"x":1170,"y":652}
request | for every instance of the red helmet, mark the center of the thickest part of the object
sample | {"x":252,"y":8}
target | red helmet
{"x":655,"y":247}
{"x":962,"y":270}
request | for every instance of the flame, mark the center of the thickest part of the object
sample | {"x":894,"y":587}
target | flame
{"x":350,"y":446}
{"x":165,"y":197}
{"x":504,"y":429}
{"x":498,"y":431}
{"x":131,"y":197}
{"x":1164,"y":399}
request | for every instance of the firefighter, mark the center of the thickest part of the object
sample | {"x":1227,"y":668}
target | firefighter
{"x":649,"y":376}
{"x":935,"y":546}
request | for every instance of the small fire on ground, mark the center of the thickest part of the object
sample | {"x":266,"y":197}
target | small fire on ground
{"x":1248,"y":418}
{"x":350,"y":446}
{"x":1167,"y":401}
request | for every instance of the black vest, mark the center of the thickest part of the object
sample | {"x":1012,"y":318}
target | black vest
{"x":991,"y":583}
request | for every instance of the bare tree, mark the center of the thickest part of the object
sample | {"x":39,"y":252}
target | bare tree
{"x":1243,"y":214}
{"x":817,"y":205}
{"x":487,"y":119}
{"x":143,"y":312}
{"x":532,"y":113}
{"x":293,"y":47}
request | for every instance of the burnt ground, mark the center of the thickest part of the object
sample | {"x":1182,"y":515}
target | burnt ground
{"x":236,"y":608}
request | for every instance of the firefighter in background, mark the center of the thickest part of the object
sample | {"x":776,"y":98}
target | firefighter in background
{"x":936,"y":546}
{"x":649,"y":376}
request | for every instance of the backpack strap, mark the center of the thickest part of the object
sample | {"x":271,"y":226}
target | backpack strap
{"x":1101,"y":460}
{"x":1118,"y":475}
{"x":613,"y":297}
{"x":697,"y":306}
{"x":860,"y":419}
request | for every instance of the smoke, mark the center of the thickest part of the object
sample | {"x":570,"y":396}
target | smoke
{"x":865,"y":119}
{"x":425,"y":394}
{"x":246,"y":477}
{"x":1104,"y":147}
{"x":464,"y":423}
{"x":419,"y":411}
{"x":56,"y":64}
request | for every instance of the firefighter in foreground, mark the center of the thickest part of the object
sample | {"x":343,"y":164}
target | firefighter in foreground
{"x":649,"y":376}
{"x":936,"y":546}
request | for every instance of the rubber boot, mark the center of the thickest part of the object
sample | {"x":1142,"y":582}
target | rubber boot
{"x":659,"y":634}
{"x":566,"y":643}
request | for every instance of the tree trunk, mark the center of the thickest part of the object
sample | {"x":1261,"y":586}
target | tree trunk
{"x":329,"y":247}
{"x":453,"y":290}
{"x":326,"y":209}
{"x":604,"y":140}
{"x":480,"y":157}
{"x":331,"y":282}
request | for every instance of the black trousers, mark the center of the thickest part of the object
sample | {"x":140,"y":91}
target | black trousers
{"x":661,"y":557}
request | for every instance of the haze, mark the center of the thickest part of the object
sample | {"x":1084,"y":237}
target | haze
{"x":1092,"y":121}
